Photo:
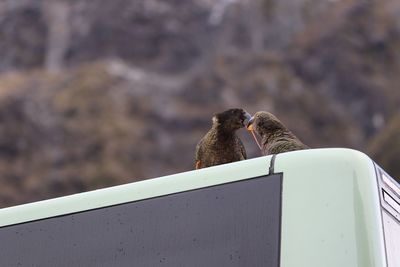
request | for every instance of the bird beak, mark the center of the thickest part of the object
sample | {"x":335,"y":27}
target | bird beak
{"x":249,"y":124}
{"x":247,"y":119}
{"x":250,"y":128}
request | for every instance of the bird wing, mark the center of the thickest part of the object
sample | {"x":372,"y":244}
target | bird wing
{"x":286,"y":146}
{"x":198,"y":155}
{"x":241,"y":148}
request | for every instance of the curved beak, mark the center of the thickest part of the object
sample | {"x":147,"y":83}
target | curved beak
{"x":247,"y":119}
{"x":250,"y":128}
{"x":249,"y":124}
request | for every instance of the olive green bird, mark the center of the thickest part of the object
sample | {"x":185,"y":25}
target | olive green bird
{"x":275,"y":136}
{"x":221,"y":145}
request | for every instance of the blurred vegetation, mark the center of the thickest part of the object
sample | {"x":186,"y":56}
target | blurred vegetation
{"x":385,"y":147}
{"x":101,"y":94}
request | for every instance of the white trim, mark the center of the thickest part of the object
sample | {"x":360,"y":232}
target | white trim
{"x":391,"y":202}
{"x":388,"y":181}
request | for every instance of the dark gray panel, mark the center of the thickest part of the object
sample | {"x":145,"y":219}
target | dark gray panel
{"x":235,"y":224}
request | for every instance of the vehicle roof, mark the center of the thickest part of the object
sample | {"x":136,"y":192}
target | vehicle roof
{"x":176,"y":183}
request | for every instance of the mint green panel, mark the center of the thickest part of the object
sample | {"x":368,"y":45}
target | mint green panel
{"x":330,"y":207}
{"x":331,"y":213}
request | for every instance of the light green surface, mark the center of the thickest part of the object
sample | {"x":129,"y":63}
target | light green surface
{"x":331,"y":212}
{"x":330,"y":217}
{"x":135,"y":191}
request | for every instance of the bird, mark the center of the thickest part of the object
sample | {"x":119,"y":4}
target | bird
{"x":275,"y":136}
{"x":220,"y":144}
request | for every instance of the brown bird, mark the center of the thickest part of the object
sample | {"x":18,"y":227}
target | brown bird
{"x":275,"y":137}
{"x":221,"y":144}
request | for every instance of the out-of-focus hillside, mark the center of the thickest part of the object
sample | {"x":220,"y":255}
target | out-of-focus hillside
{"x":96,"y":93}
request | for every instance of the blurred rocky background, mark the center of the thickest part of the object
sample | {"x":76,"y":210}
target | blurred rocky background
{"x":96,"y":93}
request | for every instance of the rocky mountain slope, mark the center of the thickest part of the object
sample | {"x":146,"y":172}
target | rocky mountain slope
{"x":96,"y":93}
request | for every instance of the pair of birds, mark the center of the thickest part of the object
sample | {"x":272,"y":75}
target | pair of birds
{"x":221,"y":145}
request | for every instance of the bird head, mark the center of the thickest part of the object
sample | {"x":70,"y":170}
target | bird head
{"x":264,"y":122}
{"x":232,"y":119}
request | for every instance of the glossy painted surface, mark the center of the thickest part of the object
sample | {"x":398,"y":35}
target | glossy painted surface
{"x":392,"y":238}
{"x":331,"y":212}
{"x":235,"y":224}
